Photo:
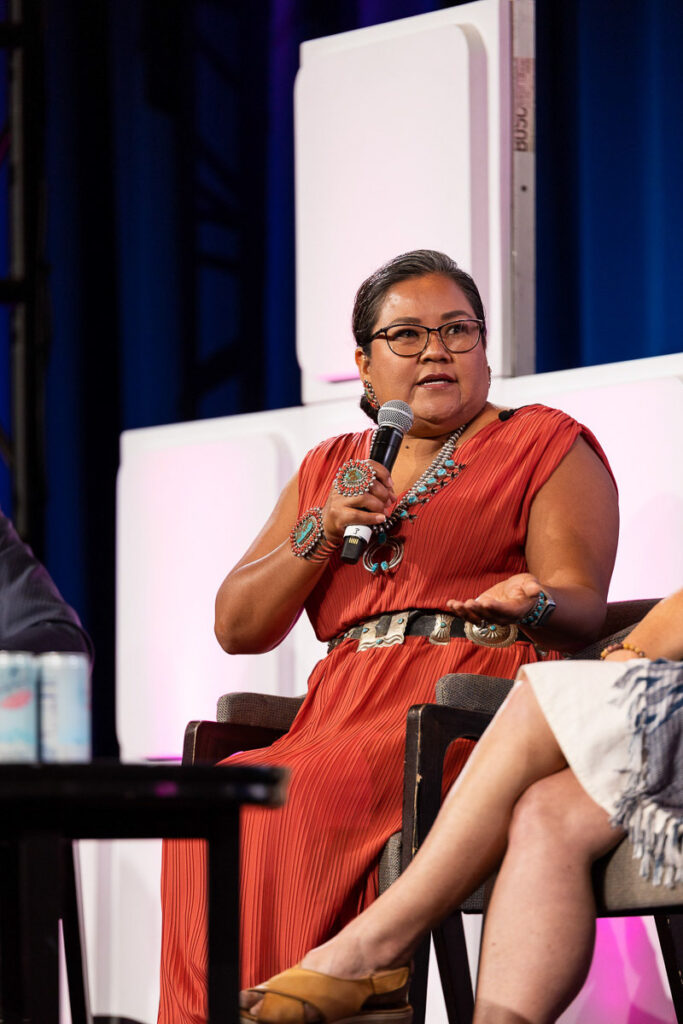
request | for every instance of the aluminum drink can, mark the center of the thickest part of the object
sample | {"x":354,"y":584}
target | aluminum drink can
{"x":64,"y":707}
{"x":18,"y":706}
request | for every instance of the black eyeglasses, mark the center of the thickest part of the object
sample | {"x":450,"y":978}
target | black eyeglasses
{"x":412,"y":339}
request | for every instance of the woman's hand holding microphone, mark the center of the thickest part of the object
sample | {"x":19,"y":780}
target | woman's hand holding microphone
{"x":366,"y":503}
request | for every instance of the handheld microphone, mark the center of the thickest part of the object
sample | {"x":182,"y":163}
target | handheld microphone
{"x":394,"y":419}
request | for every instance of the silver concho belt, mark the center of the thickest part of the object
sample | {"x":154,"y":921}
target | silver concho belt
{"x":438,"y":627}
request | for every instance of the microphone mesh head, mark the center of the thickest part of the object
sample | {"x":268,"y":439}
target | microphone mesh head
{"x":396,"y":414}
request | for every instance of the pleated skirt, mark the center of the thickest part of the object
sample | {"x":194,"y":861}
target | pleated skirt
{"x":311,"y":866}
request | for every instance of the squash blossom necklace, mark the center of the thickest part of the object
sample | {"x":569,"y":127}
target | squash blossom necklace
{"x":385,"y":552}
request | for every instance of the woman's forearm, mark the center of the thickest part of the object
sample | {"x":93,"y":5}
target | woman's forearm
{"x":574,"y":623}
{"x":259,"y":602}
{"x":659,"y":634}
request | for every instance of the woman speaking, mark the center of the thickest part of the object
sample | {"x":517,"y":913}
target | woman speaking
{"x":492,"y":544}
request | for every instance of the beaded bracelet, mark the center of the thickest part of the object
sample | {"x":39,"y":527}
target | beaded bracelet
{"x":323,"y":550}
{"x":307,"y":537}
{"x":623,"y":646}
{"x":543,"y":608}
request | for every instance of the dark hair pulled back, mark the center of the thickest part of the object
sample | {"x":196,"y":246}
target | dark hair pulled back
{"x":373,"y":291}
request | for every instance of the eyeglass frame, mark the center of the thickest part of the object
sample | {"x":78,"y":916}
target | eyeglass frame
{"x":382,"y":332}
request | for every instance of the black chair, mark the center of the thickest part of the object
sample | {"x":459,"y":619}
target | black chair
{"x":465,"y":706}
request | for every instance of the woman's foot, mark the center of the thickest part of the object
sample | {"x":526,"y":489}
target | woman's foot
{"x":304,"y":995}
{"x":348,"y":956}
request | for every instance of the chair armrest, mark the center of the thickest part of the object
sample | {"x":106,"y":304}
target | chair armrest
{"x":473,"y":692}
{"x":246,"y":721}
{"x":210,"y":742}
{"x":623,"y":614}
{"x":263,"y":709}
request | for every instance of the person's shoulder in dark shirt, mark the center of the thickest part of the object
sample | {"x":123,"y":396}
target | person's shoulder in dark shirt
{"x":33,"y":614}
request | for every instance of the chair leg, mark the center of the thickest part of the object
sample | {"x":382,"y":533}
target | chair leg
{"x":670,"y":933}
{"x":454,"y":969}
{"x":74,"y":947}
{"x":39,"y":879}
{"x":11,"y":988}
{"x":418,"y":983}
{"x":430,"y":731}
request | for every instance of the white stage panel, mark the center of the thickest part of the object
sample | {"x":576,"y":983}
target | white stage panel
{"x":402,"y":142}
{"x":186,"y":514}
{"x":637,"y":416}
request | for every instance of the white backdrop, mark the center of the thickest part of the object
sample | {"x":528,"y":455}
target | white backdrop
{"x":403,"y":141}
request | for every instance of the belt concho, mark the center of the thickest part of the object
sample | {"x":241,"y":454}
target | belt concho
{"x":490,"y":634}
{"x":395,"y":633}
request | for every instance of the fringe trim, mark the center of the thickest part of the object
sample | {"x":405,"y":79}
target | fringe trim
{"x":656,"y":832}
{"x":657,"y":838}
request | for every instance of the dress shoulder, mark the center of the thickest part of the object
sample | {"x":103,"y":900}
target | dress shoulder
{"x":553,"y":431}
{"x":340,"y":444}
{"x":538,"y":418}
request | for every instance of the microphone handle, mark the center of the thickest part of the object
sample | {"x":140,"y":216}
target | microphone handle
{"x":384,"y":450}
{"x":386,"y":446}
{"x":355,"y":539}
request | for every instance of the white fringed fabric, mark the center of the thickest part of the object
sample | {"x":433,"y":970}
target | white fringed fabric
{"x":651,"y":806}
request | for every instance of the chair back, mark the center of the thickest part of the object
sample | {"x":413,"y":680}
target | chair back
{"x":618,"y":884}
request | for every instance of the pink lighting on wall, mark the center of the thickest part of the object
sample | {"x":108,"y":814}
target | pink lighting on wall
{"x":197,"y":508}
{"x":626,"y":984}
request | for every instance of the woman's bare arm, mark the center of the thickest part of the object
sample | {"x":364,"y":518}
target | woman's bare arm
{"x":260,"y":599}
{"x":571,"y":546}
{"x":659,"y":634}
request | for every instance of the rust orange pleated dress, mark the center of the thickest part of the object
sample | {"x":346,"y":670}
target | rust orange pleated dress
{"x":310,"y":867}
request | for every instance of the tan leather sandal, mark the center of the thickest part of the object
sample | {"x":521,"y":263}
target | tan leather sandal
{"x":380,"y":998}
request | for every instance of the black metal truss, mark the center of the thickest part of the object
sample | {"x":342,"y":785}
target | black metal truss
{"x":24,"y":290}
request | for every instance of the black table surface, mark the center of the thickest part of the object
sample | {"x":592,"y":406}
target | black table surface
{"x":90,"y":801}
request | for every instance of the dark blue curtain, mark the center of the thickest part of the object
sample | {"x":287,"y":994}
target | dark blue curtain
{"x":609,"y":172}
{"x":5,"y":382}
{"x":170,"y":176}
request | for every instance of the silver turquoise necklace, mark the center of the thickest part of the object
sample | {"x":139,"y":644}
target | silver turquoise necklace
{"x":440,"y":472}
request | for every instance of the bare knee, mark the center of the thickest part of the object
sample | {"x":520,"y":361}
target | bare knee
{"x":557,"y":813}
{"x":537,"y":818}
